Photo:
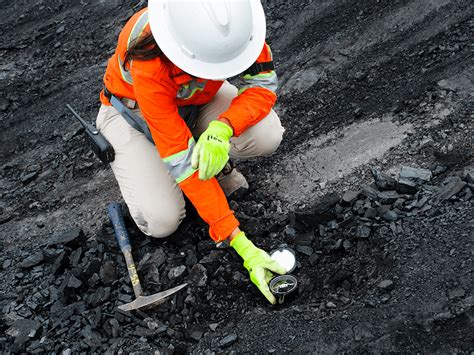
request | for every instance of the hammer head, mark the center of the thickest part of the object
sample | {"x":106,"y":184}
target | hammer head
{"x":152,"y":300}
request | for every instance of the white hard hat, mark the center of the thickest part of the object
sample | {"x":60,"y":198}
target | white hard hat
{"x":210,"y":39}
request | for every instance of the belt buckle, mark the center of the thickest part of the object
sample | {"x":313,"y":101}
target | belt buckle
{"x":131,"y":104}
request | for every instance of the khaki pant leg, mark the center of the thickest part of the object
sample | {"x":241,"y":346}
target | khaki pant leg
{"x":154,"y":199}
{"x":259,"y":140}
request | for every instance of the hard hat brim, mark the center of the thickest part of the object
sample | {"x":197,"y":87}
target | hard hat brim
{"x":199,"y":68}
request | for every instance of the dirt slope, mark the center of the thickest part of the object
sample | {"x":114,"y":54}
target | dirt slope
{"x":362,"y":83}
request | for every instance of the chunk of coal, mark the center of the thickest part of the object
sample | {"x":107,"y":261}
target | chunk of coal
{"x":313,"y":259}
{"x":27,"y":178}
{"x":362,"y":231}
{"x":469,"y":176}
{"x":405,"y":186}
{"x":303,"y":249}
{"x":4,"y":104}
{"x":349,"y":197}
{"x":456,"y":293}
{"x":195,"y":334}
{"x":388,"y":197}
{"x":383,"y":181}
{"x":176,"y":272}
{"x":33,"y":260}
{"x":108,"y":272}
{"x":59,"y":264}
{"x":319,"y":213}
{"x":74,"y":282}
{"x":386,"y":285}
{"x":370,"y":213}
{"x":347,"y":245}
{"x":157,"y":259}
{"x":390,"y":216}
{"x":370,"y":192}
{"x":73,"y":238}
{"x":452,"y":186}
{"x":198,"y":275}
{"x":228,"y":340}
{"x":415,"y":174}
{"x":333,"y":225}
{"x":23,"y":330}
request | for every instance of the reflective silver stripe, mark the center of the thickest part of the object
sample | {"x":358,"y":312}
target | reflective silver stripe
{"x":136,"y":32}
{"x":179,"y":164}
{"x":267,"y":81}
{"x":186,"y":91}
{"x":138,"y":28}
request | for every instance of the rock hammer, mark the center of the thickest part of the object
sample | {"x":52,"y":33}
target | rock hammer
{"x":114,"y":210}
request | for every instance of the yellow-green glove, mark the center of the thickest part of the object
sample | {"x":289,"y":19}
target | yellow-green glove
{"x":212,"y":150}
{"x":258,"y":263}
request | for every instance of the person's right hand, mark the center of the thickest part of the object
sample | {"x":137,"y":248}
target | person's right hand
{"x":260,"y":265}
{"x":212,"y":150}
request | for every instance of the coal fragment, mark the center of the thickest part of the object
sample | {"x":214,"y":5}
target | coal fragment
{"x":23,"y":329}
{"x":415,"y":174}
{"x":390,"y":216}
{"x":74,"y":282}
{"x":228,"y":340}
{"x":349,"y":197}
{"x":388,"y":197}
{"x":176,"y":272}
{"x":320,"y":212}
{"x":362,"y":231}
{"x":303,"y":249}
{"x":198,"y":275}
{"x":386,"y":285}
{"x":59,"y":264}
{"x":452,"y":186}
{"x":27,"y":178}
{"x":33,"y":260}
{"x":383,"y":181}
{"x":108,"y":272}
{"x":405,"y":186}
{"x":456,"y":293}
{"x":370,"y":192}
{"x":332,"y":225}
{"x":370,"y":213}
{"x":4,"y":104}
{"x":73,"y":238}
{"x":313,"y":259}
{"x":195,"y":334}
{"x":157,"y":259}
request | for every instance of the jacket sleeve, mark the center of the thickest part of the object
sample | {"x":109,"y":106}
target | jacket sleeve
{"x":255,"y":98}
{"x":175,"y":145}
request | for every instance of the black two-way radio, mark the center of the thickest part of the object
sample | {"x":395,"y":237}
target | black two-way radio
{"x":99,"y":144}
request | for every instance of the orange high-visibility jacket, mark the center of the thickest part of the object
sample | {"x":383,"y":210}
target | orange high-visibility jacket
{"x":159,"y":87}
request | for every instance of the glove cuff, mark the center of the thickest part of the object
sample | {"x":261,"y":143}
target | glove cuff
{"x":221,"y":128}
{"x":241,"y":244}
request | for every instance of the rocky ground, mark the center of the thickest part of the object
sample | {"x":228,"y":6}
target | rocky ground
{"x":372,"y":187}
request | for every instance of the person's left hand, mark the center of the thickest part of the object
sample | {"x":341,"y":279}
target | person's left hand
{"x":212,"y":150}
{"x":259,"y":264}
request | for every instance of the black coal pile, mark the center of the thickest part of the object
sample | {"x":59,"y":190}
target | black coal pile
{"x":64,"y":295}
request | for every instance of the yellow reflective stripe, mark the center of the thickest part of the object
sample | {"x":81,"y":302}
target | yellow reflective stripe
{"x":270,"y":51}
{"x":125,"y":73}
{"x":185,"y":175}
{"x":267,"y":81}
{"x":260,"y":76}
